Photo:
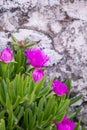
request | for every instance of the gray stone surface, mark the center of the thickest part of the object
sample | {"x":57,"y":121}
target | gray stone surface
{"x":3,"y":40}
{"x":59,"y":27}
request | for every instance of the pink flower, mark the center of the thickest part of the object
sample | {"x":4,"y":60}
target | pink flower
{"x":37,"y":74}
{"x":59,"y":88}
{"x":36,"y":57}
{"x":65,"y":124}
{"x":6,"y":55}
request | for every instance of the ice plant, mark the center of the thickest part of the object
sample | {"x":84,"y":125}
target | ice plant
{"x":26,"y":98}
{"x":6,"y":55}
{"x":37,"y":75}
{"x":36,"y":57}
{"x":59,"y":88}
{"x":65,"y":124}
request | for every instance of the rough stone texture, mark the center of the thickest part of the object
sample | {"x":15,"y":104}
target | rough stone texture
{"x":59,"y":27}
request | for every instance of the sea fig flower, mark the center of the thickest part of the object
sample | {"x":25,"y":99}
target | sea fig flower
{"x":65,"y":124}
{"x":36,"y":57}
{"x":37,"y":75}
{"x":59,"y":88}
{"x":6,"y":55}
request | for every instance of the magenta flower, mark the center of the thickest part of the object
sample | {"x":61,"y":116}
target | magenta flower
{"x":37,"y":75}
{"x":36,"y":57}
{"x":59,"y":88}
{"x":65,"y":124}
{"x":6,"y":55}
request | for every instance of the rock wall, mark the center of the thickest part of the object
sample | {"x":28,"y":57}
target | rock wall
{"x":59,"y":27}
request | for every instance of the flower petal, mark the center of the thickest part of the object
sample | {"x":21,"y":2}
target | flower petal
{"x":65,"y":124}
{"x":37,"y":75}
{"x":59,"y":88}
{"x":36,"y":57}
{"x":6,"y":55}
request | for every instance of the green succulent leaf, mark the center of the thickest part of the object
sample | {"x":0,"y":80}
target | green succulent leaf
{"x":75,"y":99}
{"x":2,"y":124}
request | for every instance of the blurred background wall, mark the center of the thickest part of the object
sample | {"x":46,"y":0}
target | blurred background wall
{"x":59,"y":27}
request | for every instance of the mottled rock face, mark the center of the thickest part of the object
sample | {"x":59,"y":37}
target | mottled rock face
{"x":59,"y":27}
